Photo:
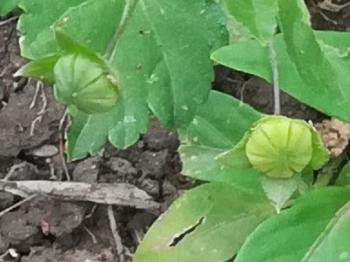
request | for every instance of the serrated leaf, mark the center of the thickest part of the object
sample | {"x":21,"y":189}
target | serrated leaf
{"x":208,"y":223}
{"x":316,"y":228}
{"x":258,"y":16}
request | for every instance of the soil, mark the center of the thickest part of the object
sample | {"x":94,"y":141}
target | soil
{"x":49,"y":230}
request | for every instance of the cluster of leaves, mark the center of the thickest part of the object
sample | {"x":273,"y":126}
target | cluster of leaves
{"x":142,"y":57}
{"x":162,"y":68}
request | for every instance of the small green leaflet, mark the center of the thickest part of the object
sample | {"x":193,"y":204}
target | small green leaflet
{"x":208,"y":223}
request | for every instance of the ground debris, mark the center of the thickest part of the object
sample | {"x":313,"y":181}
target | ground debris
{"x":121,"y":194}
{"x":335,"y":134}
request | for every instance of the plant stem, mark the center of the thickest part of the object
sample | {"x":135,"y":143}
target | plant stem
{"x":275,"y":78}
{"x":129,"y":8}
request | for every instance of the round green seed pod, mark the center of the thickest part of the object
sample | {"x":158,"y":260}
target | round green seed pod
{"x":84,"y":83}
{"x":280,"y":147}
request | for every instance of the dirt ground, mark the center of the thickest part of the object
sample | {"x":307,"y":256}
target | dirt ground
{"x":50,"y":230}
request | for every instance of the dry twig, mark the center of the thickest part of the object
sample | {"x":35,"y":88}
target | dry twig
{"x":328,"y":5}
{"x":5,"y":211}
{"x":43,"y":109}
{"x":117,"y":239}
{"x":61,"y":132}
{"x":121,"y":194}
{"x":11,"y":19}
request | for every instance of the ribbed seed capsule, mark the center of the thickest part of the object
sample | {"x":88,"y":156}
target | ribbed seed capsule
{"x":85,"y":84}
{"x":280,"y":147}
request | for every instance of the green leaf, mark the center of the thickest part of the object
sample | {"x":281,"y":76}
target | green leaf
{"x":214,"y":130}
{"x":199,"y":162}
{"x":164,"y":44}
{"x":155,"y":52}
{"x":6,"y":6}
{"x":89,"y":133}
{"x":123,"y":124}
{"x":36,"y":26}
{"x":220,"y":122}
{"x":340,"y":40}
{"x":344,"y":176}
{"x":305,"y":52}
{"x":186,"y":31}
{"x":316,"y":228}
{"x":258,"y":16}
{"x":253,"y":58}
{"x":208,"y":223}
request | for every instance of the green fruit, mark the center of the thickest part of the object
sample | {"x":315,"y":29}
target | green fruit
{"x":281,"y":147}
{"x":85,"y":84}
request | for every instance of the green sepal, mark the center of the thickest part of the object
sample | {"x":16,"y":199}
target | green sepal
{"x":41,"y":69}
{"x":320,"y":154}
{"x":68,"y":45}
{"x":236,"y":158}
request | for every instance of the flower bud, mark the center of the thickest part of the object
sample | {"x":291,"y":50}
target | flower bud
{"x":84,"y":83}
{"x":280,"y":147}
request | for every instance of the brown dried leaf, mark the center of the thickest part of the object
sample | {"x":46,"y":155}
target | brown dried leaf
{"x":335,"y":134}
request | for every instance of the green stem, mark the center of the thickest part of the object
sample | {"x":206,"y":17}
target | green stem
{"x":275,"y":78}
